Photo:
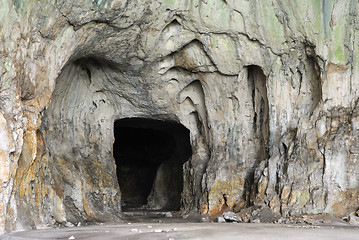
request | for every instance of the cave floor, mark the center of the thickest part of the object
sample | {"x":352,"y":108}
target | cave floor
{"x":155,"y":225}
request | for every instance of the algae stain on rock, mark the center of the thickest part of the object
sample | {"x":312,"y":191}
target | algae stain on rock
{"x":17,"y":4}
{"x":326,"y":11}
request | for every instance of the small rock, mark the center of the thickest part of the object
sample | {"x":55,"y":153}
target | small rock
{"x":79,"y":224}
{"x":282,"y":220}
{"x":204,"y":219}
{"x":257,"y":220}
{"x":353,"y":220}
{"x":158,"y":230}
{"x":221,"y":220}
{"x":69,"y":224}
{"x":245,"y":214}
{"x":171,"y":239}
{"x":231,"y":217}
{"x":72,"y":237}
{"x":256,"y":211}
{"x":245,"y":218}
{"x":134,"y":230}
{"x":267,"y":216}
{"x":309,"y":221}
{"x":149,"y":226}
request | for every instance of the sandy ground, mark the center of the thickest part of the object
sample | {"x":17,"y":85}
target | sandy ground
{"x":146,"y":225}
{"x":176,"y":231}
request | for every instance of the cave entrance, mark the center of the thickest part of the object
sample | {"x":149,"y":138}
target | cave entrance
{"x":149,"y":156}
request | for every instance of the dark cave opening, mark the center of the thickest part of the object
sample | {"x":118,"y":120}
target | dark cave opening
{"x":149,"y":156}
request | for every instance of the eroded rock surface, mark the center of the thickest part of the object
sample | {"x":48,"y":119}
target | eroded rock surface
{"x":268,"y":91}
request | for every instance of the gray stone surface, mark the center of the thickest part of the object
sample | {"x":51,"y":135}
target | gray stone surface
{"x":193,"y":231}
{"x":268,"y":90}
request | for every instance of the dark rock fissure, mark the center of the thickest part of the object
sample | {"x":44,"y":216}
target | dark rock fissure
{"x":258,"y":88}
{"x":149,"y":156}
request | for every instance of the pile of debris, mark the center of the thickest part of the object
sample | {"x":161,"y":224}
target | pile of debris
{"x":263,"y":214}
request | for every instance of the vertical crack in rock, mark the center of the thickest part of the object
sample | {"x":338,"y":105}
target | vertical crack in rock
{"x":315,"y":82}
{"x":257,"y":86}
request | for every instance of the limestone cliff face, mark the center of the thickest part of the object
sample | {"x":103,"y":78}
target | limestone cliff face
{"x":267,"y":89}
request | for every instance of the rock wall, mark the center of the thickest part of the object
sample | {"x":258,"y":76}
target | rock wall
{"x":268,"y":90}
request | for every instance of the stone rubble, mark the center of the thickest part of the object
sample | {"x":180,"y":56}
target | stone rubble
{"x":231,"y":217}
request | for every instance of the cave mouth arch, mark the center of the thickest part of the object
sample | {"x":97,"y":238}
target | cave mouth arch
{"x":149,"y":156}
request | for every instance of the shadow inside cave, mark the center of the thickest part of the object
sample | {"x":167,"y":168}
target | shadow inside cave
{"x":149,"y":156}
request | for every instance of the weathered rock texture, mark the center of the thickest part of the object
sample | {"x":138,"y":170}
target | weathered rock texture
{"x":268,"y":90}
